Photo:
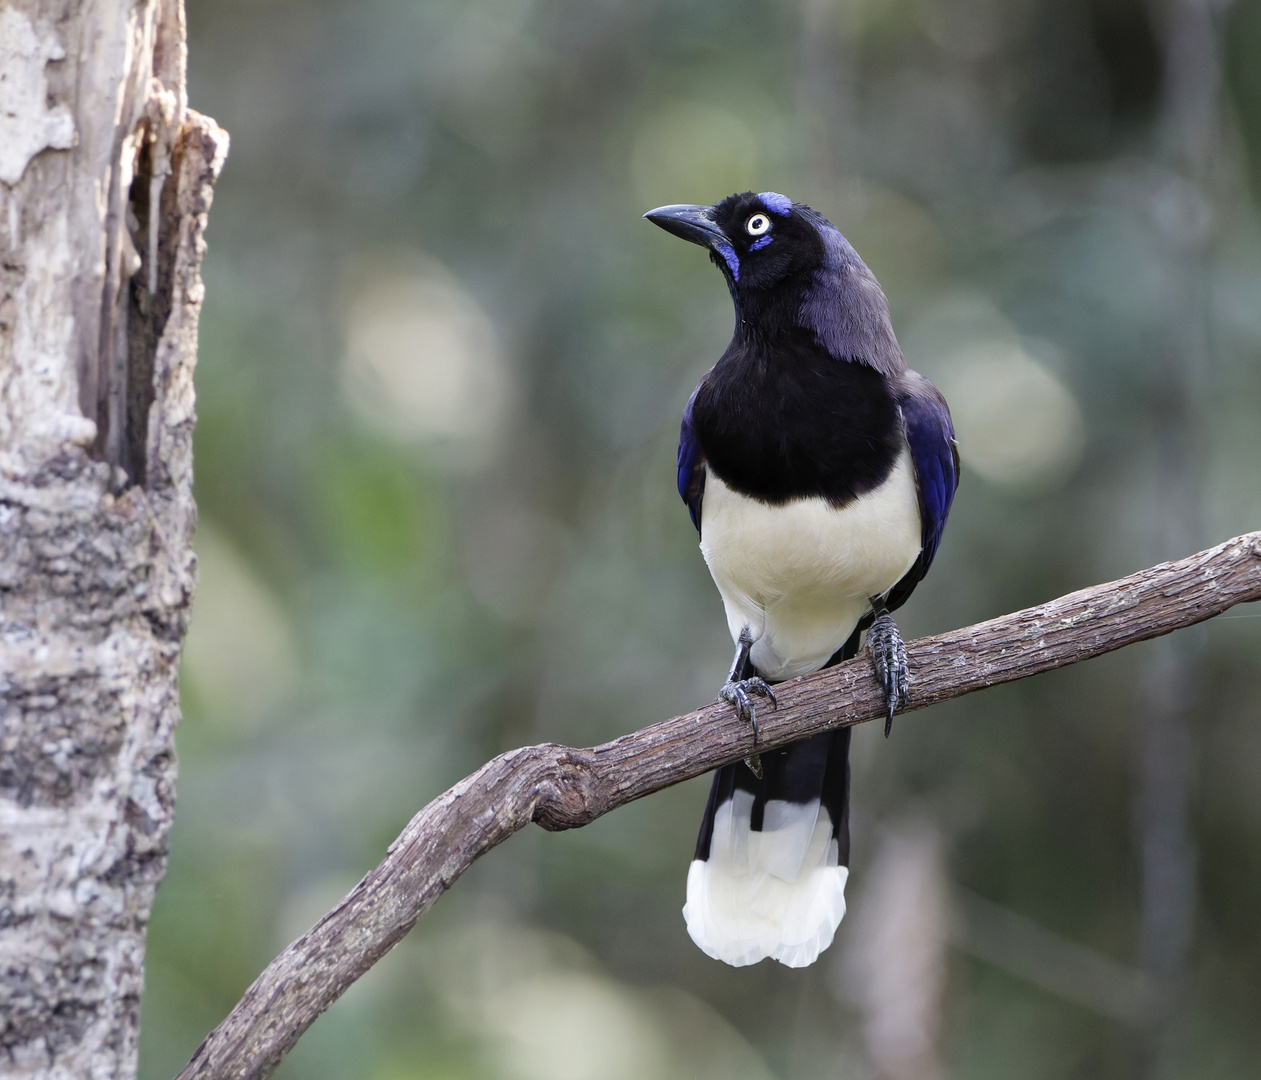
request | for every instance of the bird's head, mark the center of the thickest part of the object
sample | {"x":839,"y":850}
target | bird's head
{"x":788,"y":267}
{"x":758,"y":241}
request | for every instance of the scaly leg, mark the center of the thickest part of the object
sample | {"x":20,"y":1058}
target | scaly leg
{"x":888,"y":656}
{"x":738,"y":692}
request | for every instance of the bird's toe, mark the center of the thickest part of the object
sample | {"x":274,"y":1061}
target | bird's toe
{"x":738,"y":694}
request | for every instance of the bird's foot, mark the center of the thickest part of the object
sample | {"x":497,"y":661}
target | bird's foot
{"x":888,"y":657}
{"x":740,"y":694}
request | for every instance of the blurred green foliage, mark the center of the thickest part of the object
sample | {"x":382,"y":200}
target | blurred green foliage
{"x":441,"y":371}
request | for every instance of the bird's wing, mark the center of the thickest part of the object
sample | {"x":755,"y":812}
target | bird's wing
{"x":935,"y":456}
{"x":691,"y":467}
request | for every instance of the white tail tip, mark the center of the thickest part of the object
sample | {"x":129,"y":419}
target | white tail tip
{"x":747,"y":901}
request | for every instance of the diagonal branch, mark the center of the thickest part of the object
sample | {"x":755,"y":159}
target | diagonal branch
{"x":563,"y":788}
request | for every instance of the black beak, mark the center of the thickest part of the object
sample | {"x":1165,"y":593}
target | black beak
{"x":692,"y":223}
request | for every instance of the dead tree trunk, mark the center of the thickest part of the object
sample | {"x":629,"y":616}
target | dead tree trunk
{"x":105,"y":182}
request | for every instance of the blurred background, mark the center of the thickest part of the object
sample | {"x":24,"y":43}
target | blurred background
{"x":442,"y":366}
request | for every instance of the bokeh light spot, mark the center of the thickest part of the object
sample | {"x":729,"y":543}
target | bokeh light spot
{"x":1017,"y":424}
{"x":423,"y":363}
{"x":693,"y":152}
{"x":240,"y":654}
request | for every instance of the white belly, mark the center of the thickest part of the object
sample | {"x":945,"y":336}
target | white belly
{"x":801,"y":575}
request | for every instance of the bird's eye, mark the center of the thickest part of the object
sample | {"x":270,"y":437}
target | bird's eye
{"x":757,"y":225}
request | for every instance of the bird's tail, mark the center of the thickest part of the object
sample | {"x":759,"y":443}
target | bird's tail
{"x":772,"y":859}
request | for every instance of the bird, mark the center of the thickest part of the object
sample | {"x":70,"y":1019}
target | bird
{"x":819,"y":471}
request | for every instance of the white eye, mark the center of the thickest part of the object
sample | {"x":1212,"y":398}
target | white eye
{"x":757,"y":225}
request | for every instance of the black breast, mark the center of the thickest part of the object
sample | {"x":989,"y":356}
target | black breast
{"x":783,"y":422}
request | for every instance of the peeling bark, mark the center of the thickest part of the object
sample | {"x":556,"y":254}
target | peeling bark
{"x":105,"y":181}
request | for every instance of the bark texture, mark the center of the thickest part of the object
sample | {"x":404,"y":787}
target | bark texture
{"x":105,"y":181}
{"x":563,"y":788}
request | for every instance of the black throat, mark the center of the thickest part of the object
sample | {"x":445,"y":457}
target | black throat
{"x":780,"y":419}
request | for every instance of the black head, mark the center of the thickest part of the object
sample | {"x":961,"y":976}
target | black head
{"x":758,"y":241}
{"x":789,"y":269}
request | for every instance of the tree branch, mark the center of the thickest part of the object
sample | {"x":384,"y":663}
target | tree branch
{"x":564,"y":788}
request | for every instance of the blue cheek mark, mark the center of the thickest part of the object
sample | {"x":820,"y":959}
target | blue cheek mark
{"x":760,"y":243}
{"x":733,"y":264}
{"x":776,"y":203}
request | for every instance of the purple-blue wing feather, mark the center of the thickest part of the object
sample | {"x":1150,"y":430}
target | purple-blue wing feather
{"x":691,"y":467}
{"x":935,"y":457}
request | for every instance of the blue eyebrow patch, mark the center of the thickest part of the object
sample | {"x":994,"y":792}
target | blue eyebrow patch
{"x":728,"y":253}
{"x":776,"y":203}
{"x":760,"y":243}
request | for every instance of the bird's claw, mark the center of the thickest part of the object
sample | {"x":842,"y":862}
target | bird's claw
{"x":738,"y":694}
{"x":888,"y":656}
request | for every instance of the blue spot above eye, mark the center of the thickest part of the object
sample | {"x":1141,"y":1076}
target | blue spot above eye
{"x":758,"y":244}
{"x":728,"y":253}
{"x":776,"y":203}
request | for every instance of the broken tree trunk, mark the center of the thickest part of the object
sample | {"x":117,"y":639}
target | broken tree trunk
{"x":105,"y":180}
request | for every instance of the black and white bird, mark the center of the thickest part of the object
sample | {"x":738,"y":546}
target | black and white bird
{"x":818,"y":470}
